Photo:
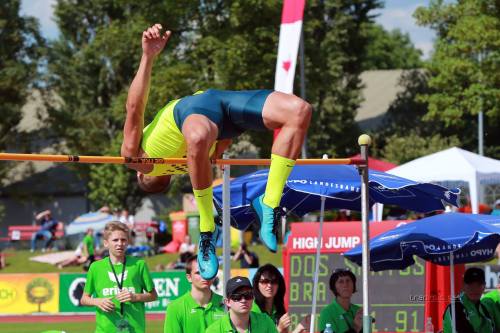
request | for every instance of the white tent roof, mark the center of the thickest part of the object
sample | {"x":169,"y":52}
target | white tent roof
{"x":453,"y":164}
{"x":450,"y":164}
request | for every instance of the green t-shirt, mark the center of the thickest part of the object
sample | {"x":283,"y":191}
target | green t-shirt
{"x":340,"y":319}
{"x":101,"y":283}
{"x":184,"y":315}
{"x":259,"y":323}
{"x":88,"y":241}
{"x":273,"y":315}
{"x":479,"y":321}
{"x":491,"y":301}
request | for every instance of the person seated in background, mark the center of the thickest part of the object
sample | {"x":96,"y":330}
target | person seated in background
{"x":496,"y":208}
{"x":341,"y":314}
{"x":247,"y":258}
{"x":127,"y":219}
{"x":84,"y":253}
{"x":47,"y":230}
{"x":269,"y":290}
{"x":471,"y":314}
{"x":186,"y":250}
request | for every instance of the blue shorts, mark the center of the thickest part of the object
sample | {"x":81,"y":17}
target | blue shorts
{"x":232,"y":111}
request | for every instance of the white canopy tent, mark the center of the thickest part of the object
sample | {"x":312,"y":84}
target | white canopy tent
{"x":453,"y":164}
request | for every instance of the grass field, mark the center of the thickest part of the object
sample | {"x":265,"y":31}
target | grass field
{"x":18,"y":261}
{"x":153,"y":326}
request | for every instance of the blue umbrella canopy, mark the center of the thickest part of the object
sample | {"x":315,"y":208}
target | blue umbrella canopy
{"x":470,"y":237}
{"x":341,"y":185}
{"x":94,"y":220}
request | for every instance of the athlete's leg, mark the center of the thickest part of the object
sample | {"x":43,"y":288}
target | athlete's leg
{"x":200,"y":134}
{"x":292,"y":115}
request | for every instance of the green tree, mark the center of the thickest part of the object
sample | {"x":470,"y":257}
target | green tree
{"x":20,"y":50}
{"x":335,"y":44}
{"x":390,"y":50}
{"x":464,"y":69}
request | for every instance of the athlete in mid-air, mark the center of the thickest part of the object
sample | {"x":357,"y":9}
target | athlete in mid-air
{"x":200,"y":127}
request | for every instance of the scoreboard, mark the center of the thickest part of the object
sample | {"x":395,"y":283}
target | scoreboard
{"x":395,"y":295}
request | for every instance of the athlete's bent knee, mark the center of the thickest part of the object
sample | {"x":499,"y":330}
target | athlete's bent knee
{"x":300,"y":114}
{"x":197,"y":138}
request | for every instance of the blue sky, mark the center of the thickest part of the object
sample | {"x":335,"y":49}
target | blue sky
{"x":397,"y":14}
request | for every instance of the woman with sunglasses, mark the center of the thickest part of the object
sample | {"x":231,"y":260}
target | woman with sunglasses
{"x":269,"y":289}
{"x":341,"y":314}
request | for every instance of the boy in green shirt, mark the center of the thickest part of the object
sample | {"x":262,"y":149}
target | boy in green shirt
{"x":197,"y":309}
{"x":239,"y":298}
{"x":118,"y":286}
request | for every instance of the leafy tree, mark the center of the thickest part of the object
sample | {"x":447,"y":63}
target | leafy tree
{"x":464,"y":69}
{"x":390,"y":50}
{"x":20,"y":48}
{"x":335,"y":44}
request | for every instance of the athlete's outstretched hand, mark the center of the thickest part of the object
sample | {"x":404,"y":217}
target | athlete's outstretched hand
{"x":153,"y":41}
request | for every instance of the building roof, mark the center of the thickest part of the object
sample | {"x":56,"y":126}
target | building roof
{"x":381,"y":88}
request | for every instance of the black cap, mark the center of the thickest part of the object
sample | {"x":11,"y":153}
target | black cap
{"x":474,"y":274}
{"x":236,"y":283}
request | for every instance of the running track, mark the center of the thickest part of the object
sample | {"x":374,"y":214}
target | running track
{"x":63,"y":318}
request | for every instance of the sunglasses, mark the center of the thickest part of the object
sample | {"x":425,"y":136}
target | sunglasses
{"x":341,"y":270}
{"x":268,"y":281}
{"x":238,"y":297}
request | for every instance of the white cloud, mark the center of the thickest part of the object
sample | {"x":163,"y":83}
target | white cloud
{"x":43,"y":10}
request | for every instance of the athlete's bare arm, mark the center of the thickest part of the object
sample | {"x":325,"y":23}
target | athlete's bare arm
{"x":153,"y":43}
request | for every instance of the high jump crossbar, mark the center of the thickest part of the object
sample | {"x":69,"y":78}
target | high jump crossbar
{"x":148,"y":160}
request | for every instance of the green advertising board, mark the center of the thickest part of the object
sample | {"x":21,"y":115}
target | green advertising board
{"x":169,"y":286}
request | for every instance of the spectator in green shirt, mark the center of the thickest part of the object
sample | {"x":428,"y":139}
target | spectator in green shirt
{"x":471,"y":314}
{"x":196,"y":309}
{"x":118,"y":286}
{"x":84,"y":254}
{"x":269,"y":289}
{"x":240,"y":319}
{"x":344,"y":316}
{"x":491,"y":301}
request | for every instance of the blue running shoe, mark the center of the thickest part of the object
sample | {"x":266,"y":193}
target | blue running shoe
{"x":270,"y":220}
{"x":208,"y":263}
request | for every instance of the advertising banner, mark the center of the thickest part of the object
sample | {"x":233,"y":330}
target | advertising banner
{"x":169,"y":285}
{"x":29,"y":293}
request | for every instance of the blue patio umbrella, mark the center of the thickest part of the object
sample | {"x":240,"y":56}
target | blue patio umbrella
{"x":94,"y":220}
{"x":443,"y":239}
{"x":340,"y":185}
{"x":470,"y":237}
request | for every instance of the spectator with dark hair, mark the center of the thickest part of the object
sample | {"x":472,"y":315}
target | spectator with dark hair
{"x":196,"y":309}
{"x":47,"y":230}
{"x":248,"y":259}
{"x":341,"y":314}
{"x":269,"y":290}
{"x":471,"y":314}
